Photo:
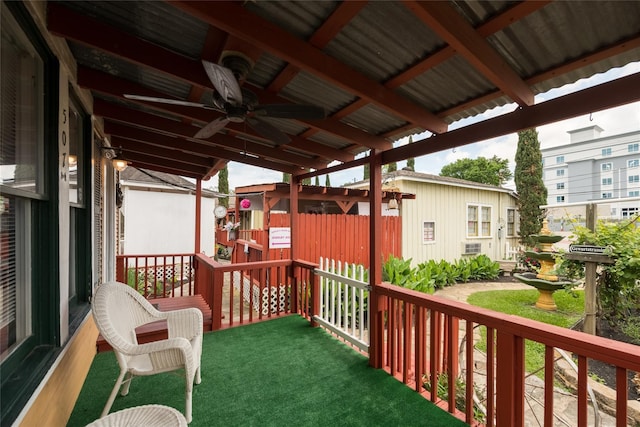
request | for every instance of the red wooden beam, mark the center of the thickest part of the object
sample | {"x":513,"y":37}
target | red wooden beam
{"x":298,"y":52}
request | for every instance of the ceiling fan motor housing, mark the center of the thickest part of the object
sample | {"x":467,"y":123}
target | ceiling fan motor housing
{"x":239,"y":64}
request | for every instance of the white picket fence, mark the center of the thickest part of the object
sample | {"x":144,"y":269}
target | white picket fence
{"x":344,"y":308}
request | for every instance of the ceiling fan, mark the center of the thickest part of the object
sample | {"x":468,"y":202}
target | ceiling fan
{"x":240,"y":105}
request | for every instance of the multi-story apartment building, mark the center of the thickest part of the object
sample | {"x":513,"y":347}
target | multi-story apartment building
{"x":591,"y":168}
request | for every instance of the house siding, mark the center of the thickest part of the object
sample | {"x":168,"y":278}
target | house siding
{"x":447,"y":207}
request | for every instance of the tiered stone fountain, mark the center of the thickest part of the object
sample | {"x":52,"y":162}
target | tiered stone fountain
{"x":545,"y":281}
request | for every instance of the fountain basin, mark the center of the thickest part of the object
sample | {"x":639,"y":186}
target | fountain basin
{"x":542,"y":256}
{"x":532,"y":280}
{"x":547,"y":238}
{"x":545,"y":288}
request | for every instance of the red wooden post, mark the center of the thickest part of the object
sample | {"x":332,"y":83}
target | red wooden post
{"x":120,"y":269}
{"x":509,"y":380}
{"x":215,"y":283}
{"x":375,"y":263}
{"x":198,"y":219}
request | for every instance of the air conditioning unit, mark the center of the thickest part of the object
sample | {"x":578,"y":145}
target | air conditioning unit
{"x":471,"y":248}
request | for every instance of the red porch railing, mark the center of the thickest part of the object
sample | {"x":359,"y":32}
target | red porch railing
{"x":414,"y":336}
{"x":157,"y":276}
{"x":418,"y":341}
{"x":247,"y":292}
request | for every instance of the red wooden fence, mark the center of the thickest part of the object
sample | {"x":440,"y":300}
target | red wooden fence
{"x":343,"y":237}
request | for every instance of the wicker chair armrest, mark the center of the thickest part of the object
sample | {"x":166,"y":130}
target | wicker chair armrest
{"x":186,"y":323}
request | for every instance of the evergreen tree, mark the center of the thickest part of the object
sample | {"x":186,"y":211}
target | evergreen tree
{"x":223,"y":185}
{"x":392,"y":167}
{"x":367,"y":172}
{"x":327,"y":182}
{"x":306,"y":181}
{"x":286,"y":177}
{"x":411,"y":161}
{"x":317,"y":181}
{"x":411,"y":164}
{"x":529,"y":185}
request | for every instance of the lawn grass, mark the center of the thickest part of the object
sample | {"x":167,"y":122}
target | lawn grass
{"x":522,"y":303}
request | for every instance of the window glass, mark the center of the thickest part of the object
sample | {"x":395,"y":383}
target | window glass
{"x":560,"y":199}
{"x":472,"y":220}
{"x":560,"y":159}
{"x":634,"y":179}
{"x":478,"y":221}
{"x":633,"y":148}
{"x":486,"y":221}
{"x":21,"y":178}
{"x":607,"y":195}
{"x":633,"y":163}
{"x":606,"y":181}
{"x":511,"y":222}
{"x":21,"y":122}
{"x":606,"y":152}
{"x":634,"y":193}
{"x":428,"y":231}
{"x":76,"y":161}
{"x":560,"y":172}
{"x":560,"y":186}
{"x":606,"y":167}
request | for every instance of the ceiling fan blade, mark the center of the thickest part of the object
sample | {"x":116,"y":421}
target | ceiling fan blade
{"x":268,"y":130}
{"x":211,"y":128}
{"x":224,"y":82}
{"x":291,"y":111}
{"x":167,"y":101}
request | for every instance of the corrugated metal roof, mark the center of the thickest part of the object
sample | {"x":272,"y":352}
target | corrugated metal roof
{"x":378,"y":68}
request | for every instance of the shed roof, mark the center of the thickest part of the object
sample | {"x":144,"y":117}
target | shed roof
{"x":381,"y":70}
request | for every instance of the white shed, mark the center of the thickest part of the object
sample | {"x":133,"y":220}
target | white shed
{"x":453,"y":218}
{"x":158,"y":214}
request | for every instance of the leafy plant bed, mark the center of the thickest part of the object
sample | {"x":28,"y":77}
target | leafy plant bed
{"x":605,"y":373}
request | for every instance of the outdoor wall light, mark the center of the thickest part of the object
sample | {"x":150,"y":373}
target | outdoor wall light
{"x":112,"y":153}
{"x":392,"y":204}
{"x":119,"y":164}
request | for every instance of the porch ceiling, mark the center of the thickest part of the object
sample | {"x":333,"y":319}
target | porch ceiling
{"x":381,"y":70}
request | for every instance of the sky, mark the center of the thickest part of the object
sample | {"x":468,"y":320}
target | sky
{"x":613,"y":121}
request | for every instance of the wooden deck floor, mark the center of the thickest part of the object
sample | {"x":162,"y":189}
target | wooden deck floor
{"x":158,"y":330}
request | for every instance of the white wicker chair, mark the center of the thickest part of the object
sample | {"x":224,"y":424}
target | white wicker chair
{"x":118,"y":310}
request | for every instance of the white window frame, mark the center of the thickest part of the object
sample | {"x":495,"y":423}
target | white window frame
{"x":511,"y":223}
{"x":560,"y":186}
{"x":425,"y":233}
{"x":559,"y":159}
{"x":634,"y":179}
{"x":607,"y":181}
{"x":633,"y":163}
{"x":559,"y":199}
{"x":479,"y":220}
{"x":606,"y":152}
{"x":606,"y":167}
{"x":633,"y":148}
{"x":607,"y":195}
{"x":634,"y":193}
{"x":560,"y":172}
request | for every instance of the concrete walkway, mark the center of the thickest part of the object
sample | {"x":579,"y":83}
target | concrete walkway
{"x":565,"y":403}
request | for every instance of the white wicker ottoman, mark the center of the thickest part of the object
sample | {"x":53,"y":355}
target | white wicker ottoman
{"x":147,"y":416}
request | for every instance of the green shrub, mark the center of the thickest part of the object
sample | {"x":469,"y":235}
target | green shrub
{"x":618,"y":286}
{"x":431,"y":275}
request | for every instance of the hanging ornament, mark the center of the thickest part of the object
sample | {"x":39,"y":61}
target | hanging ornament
{"x":245,"y":203}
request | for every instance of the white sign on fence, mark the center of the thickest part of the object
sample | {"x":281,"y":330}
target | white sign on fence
{"x":279,"y":237}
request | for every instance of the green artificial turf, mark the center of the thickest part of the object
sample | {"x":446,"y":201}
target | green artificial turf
{"x":274,"y":373}
{"x":522,"y":303}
